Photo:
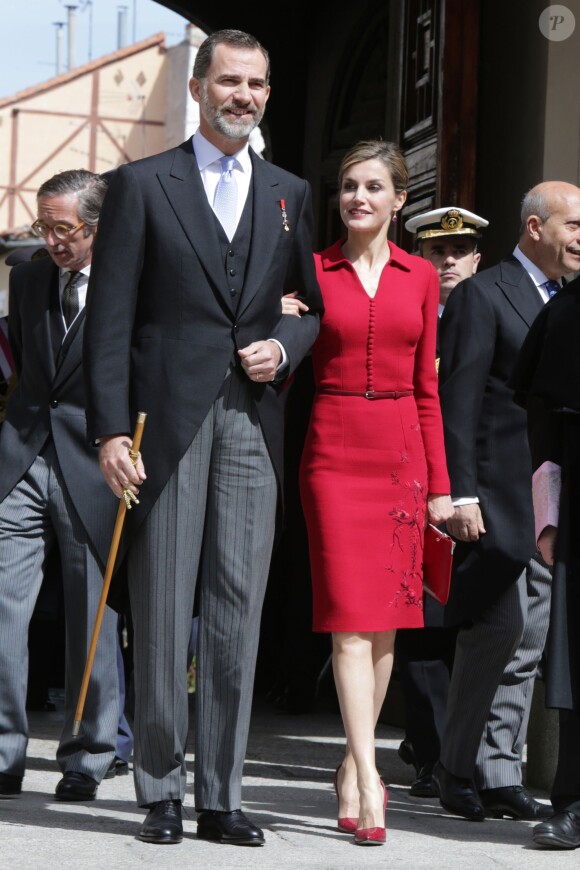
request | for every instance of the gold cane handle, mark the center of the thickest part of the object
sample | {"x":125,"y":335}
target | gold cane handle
{"x":129,"y":496}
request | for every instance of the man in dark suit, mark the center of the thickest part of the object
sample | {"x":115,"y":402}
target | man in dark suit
{"x":51,"y":491}
{"x":547,"y":384}
{"x":185,"y":323}
{"x":448,"y":238}
{"x":500,"y":591}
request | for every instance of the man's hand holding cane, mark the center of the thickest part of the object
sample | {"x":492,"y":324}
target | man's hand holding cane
{"x":122,"y":469}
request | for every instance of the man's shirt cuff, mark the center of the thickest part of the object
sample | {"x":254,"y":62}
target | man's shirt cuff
{"x":284,"y":361}
{"x":546,"y":485}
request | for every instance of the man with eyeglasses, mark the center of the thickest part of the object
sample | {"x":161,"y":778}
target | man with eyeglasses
{"x":51,"y":491}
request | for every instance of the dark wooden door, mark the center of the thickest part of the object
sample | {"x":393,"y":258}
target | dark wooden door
{"x":407,"y":73}
{"x":439,"y":103}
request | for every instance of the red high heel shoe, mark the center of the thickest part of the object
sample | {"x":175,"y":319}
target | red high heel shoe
{"x":373,"y":836}
{"x":346,"y":824}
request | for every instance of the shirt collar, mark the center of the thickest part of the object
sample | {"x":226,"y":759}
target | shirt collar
{"x":535,"y":274}
{"x":206,"y":153}
{"x":64,"y":273}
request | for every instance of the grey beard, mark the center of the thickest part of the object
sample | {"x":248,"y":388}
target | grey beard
{"x":234,"y":131}
{"x":218,"y":122}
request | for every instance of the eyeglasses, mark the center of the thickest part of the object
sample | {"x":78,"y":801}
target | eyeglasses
{"x":61,"y":231}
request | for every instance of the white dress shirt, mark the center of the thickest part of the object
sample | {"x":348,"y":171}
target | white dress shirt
{"x":536,"y":275}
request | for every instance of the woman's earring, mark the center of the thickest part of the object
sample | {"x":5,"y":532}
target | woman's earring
{"x":395,"y":216}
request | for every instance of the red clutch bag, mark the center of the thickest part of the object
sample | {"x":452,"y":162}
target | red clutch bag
{"x":437,"y":563}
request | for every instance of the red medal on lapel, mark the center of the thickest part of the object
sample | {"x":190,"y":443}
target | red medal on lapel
{"x":284,"y":215}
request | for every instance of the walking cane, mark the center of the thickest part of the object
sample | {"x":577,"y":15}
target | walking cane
{"x":125,"y":504}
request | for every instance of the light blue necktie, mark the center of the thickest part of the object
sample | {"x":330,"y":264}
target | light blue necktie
{"x":552,"y":287}
{"x":226,"y":196}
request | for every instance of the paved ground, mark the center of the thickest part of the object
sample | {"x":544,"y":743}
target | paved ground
{"x":287,"y":791}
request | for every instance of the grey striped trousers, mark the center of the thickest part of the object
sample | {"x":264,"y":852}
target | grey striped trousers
{"x":493,"y":676}
{"x":213,"y":524}
{"x":37,"y":512}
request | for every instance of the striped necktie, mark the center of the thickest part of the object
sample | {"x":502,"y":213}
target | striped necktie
{"x":70,"y":299}
{"x":226,"y":197}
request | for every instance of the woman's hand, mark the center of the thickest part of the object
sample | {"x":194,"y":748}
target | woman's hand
{"x":439,"y":508}
{"x":292,"y":305}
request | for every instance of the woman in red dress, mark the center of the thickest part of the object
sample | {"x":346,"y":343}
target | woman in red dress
{"x":373,"y":466}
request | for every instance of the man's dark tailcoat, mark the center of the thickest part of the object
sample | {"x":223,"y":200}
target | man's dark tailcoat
{"x":49,"y":400}
{"x":546,"y":381}
{"x":482,"y":329}
{"x":547,"y":384}
{"x":187,"y":326}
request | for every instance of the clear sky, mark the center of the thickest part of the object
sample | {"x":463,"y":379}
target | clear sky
{"x":28,"y":34}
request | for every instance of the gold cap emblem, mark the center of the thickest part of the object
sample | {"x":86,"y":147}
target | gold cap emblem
{"x":452,"y":220}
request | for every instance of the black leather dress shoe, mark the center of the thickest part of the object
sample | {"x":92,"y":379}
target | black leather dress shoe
{"x":562,"y":831}
{"x":424,"y":785}
{"x":232,"y":827}
{"x":163,"y":824}
{"x":10,"y":786}
{"x":76,"y":787}
{"x":407,"y":754}
{"x":458,"y":795}
{"x":514,"y":802}
{"x":117,"y":767}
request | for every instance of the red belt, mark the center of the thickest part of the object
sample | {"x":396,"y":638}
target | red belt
{"x":369,"y":394}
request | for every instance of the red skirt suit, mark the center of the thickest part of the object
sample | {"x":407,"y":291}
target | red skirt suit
{"x":368,"y":464}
